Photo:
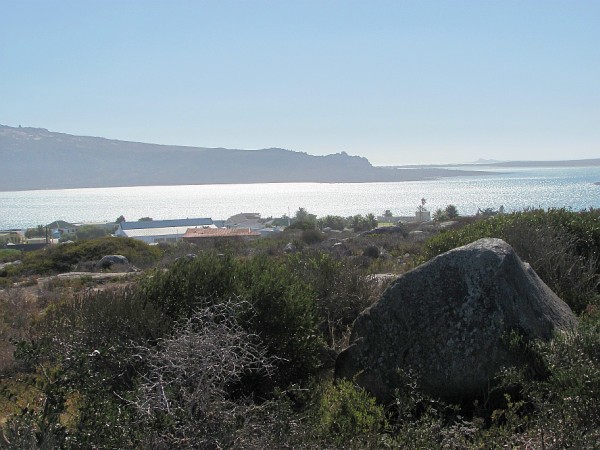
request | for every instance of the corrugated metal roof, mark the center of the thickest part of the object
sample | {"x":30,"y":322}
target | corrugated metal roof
{"x":166,"y":223}
{"x":164,"y":231}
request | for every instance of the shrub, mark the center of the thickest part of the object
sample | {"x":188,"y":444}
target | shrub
{"x":567,"y":400}
{"x":7,"y":254}
{"x":311,"y":237}
{"x":90,"y":335}
{"x":333,"y":222}
{"x":302,"y":225}
{"x":349,"y":416}
{"x":282,"y":306}
{"x":16,"y":312}
{"x":363,"y":223}
{"x":82,"y":359}
{"x":340,"y":288}
{"x":63,"y":257}
{"x":91,"y":232}
{"x":185,"y":395}
{"x":372,"y":251}
{"x":562,"y":247}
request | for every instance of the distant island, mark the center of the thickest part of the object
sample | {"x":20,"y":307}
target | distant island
{"x":35,"y":158}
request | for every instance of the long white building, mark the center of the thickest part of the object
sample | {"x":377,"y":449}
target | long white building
{"x":155,"y":231}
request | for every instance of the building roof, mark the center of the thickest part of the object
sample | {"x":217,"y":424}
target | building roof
{"x":164,"y":231}
{"x":144,"y":225}
{"x":218,"y":232}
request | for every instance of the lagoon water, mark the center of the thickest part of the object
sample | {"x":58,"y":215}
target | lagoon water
{"x":514,"y":189}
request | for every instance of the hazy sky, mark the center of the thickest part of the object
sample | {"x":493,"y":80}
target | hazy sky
{"x":396,"y":81}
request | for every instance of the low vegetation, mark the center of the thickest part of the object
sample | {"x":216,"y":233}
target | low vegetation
{"x":234,"y":347}
{"x":562,"y":246}
{"x":66,"y":257}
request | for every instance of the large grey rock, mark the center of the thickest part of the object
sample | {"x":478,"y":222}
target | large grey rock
{"x":106,"y":262}
{"x":447,"y":322}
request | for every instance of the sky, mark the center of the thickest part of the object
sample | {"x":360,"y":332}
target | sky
{"x":399,"y":82}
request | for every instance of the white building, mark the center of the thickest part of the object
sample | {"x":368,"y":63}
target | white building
{"x":155,"y":231}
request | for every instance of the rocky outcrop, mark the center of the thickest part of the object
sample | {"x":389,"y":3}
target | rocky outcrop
{"x":447,"y":322}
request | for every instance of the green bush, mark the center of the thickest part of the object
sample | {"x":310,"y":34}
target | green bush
{"x":349,"y":416}
{"x":311,"y":237}
{"x":91,"y":335}
{"x":567,"y":400}
{"x":303,"y":225}
{"x":333,"y":222}
{"x":7,"y":254}
{"x":583,"y":225}
{"x":562,"y":247}
{"x":340,"y":288}
{"x":63,"y":257}
{"x":362,"y":223}
{"x":92,"y":232}
{"x":282,"y":305}
{"x":372,"y":251}
{"x":82,"y":360}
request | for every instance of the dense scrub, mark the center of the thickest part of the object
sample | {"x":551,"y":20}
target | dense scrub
{"x":282,"y":309}
{"x":7,"y":254}
{"x":562,"y":246}
{"x":64,"y":257}
{"x":235,"y":350}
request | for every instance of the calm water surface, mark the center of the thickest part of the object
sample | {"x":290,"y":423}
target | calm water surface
{"x":520,"y":188}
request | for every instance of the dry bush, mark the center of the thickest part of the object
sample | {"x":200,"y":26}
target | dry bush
{"x":17,"y":308}
{"x":185,"y":398}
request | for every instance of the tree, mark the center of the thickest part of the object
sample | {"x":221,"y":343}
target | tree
{"x":388,"y":214}
{"x":487,"y":212}
{"x":333,"y":222}
{"x":283,"y":221}
{"x":451,"y":211}
{"x":145,"y":219}
{"x":363,"y":223}
{"x":90,"y":232}
{"x":301,"y":214}
{"x":303,"y":220}
{"x":121,"y":218}
{"x":39,"y":231}
{"x":440,"y":215}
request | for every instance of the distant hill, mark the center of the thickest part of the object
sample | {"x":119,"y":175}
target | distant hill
{"x":492,"y":164}
{"x":35,"y":158}
{"x":566,"y":163}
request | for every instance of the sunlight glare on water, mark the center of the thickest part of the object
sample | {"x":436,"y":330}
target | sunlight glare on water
{"x":520,"y":188}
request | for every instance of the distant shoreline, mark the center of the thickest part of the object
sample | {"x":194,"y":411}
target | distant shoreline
{"x":510,"y":164}
{"x":435,"y":172}
{"x":463,"y":173}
